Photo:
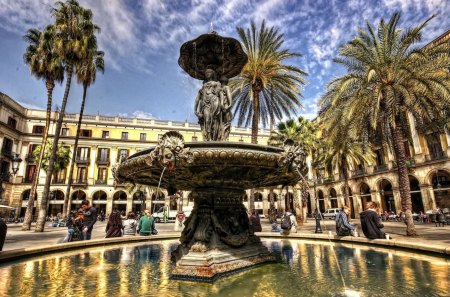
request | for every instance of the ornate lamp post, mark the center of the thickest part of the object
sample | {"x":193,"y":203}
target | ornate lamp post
{"x":4,"y":176}
{"x":318,"y":214}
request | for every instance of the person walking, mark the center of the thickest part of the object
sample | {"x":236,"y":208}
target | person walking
{"x":343,"y":227}
{"x":146,"y":223}
{"x":130,"y":225}
{"x":370,"y":223}
{"x":179,"y":221}
{"x":89,"y":219}
{"x":288,"y":223}
{"x":255,"y":221}
{"x":114,"y":226}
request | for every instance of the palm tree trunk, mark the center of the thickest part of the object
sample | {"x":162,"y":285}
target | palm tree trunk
{"x":255,"y":120}
{"x":50,"y":84}
{"x":74,"y":153}
{"x":403,"y":180}
{"x":272,"y":212}
{"x":345,"y":174}
{"x":298,"y":210}
{"x":40,"y":224}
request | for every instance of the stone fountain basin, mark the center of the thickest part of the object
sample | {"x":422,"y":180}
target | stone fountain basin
{"x":226,"y":165}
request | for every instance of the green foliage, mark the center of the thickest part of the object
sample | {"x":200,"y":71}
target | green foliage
{"x":62,"y":156}
{"x":266,"y":86}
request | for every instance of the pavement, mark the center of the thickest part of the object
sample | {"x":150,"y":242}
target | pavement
{"x":429,"y":234}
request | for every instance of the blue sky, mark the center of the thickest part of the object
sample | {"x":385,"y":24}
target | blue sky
{"x":141,"y":40}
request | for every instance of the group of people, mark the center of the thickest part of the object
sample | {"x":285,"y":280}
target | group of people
{"x":116,"y":227}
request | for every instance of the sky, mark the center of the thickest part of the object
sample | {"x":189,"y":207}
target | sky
{"x":141,"y":40}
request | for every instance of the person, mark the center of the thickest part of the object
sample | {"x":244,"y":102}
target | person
{"x":89,"y":219}
{"x":130,"y":225}
{"x":276,"y":228}
{"x":288,"y":223}
{"x":370,"y":223}
{"x":255,"y":221}
{"x":179,"y":221}
{"x":114,"y":226}
{"x":343,"y":227}
{"x":145,"y":226}
{"x":3,"y":231}
{"x":165,"y":214}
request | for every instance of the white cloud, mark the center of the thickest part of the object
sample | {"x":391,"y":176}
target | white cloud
{"x":138,"y":114}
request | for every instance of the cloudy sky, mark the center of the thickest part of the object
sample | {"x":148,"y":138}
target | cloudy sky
{"x":141,"y":40}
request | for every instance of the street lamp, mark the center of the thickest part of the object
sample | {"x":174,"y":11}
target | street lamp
{"x":4,"y":176}
{"x":318,"y":214}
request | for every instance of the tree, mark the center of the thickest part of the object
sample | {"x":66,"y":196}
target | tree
{"x":74,"y":29}
{"x":305,"y":134}
{"x":266,"y":89}
{"x":86,"y":74}
{"x":45,"y":64}
{"x":62,"y":156}
{"x":387,"y":78}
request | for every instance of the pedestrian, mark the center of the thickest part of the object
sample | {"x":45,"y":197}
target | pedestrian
{"x":89,"y":219}
{"x":255,"y":221}
{"x":146,"y":223}
{"x":165,"y":214}
{"x":130,"y":225}
{"x":343,"y":227}
{"x":288,"y":223}
{"x":3,"y":230}
{"x":179,"y":221}
{"x":370,"y":223}
{"x":114,"y":226}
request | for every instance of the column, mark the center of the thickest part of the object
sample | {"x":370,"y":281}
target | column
{"x":109,"y":206}
{"x":447,"y":138}
{"x":265,"y":202}
{"x":91,"y":170}
{"x":397,"y":199}
{"x":129,"y":204}
{"x":428,"y":199}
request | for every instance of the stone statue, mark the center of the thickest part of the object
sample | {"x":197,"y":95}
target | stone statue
{"x":227,"y":102}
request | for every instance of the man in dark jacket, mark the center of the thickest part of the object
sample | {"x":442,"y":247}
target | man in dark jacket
{"x":89,"y":219}
{"x":255,"y":221}
{"x":370,"y":223}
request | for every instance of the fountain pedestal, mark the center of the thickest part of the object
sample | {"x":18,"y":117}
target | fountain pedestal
{"x":217,"y":238}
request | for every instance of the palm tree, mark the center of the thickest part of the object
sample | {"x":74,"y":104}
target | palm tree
{"x":44,"y":64}
{"x":387,"y":78}
{"x":62,"y":156}
{"x":86,"y":74}
{"x":74,"y":28}
{"x":266,"y":88}
{"x":304,"y":133}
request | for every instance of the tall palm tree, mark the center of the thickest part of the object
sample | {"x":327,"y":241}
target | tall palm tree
{"x":74,"y":28}
{"x":388,"y":77}
{"x":266,"y":89}
{"x":86,"y":74}
{"x":45,"y":64}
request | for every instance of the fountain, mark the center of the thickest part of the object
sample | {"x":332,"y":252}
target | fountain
{"x":217,"y":238}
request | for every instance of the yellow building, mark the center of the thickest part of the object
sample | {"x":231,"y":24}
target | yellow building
{"x":104,"y":139}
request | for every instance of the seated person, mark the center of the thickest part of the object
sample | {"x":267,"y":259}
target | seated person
{"x":276,"y":228}
{"x":370,"y":223}
{"x":343,"y":227}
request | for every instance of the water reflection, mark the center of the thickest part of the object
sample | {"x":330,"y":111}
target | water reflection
{"x":303,"y":266}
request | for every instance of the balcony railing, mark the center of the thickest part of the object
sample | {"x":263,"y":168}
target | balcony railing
{"x":381,"y":168}
{"x":7,"y":153}
{"x":29,"y":158}
{"x":59,"y":181}
{"x":328,"y":179}
{"x":27,"y":180}
{"x":79,"y":181}
{"x":83,"y":160}
{"x":436,"y":156}
{"x":358,"y":172}
{"x":100,"y":182}
{"x":103,"y":161}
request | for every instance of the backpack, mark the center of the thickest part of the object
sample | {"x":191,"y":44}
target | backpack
{"x":286,"y":223}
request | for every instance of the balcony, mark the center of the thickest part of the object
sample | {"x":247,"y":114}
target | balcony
{"x":358,"y":172}
{"x":100,"y":182}
{"x":29,"y":158}
{"x":381,"y":168}
{"x":329,"y":179}
{"x":80,"y":181}
{"x":27,"y":180}
{"x":436,"y":156}
{"x":83,"y":160}
{"x":103,"y":161}
{"x":59,"y":181}
{"x":7,"y":153}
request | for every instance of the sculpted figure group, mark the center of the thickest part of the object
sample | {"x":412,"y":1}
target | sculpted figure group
{"x":213,"y":107}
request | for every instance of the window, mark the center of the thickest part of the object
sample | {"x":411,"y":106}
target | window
{"x":194,"y":138}
{"x":125,"y":135}
{"x":65,"y":132}
{"x":83,"y":153}
{"x":103,"y":154}
{"x":380,"y":157}
{"x":102,"y":174}
{"x":31,"y":149}
{"x":4,"y":168}
{"x":29,"y":173}
{"x":7,"y":147}
{"x":38,"y":129}
{"x":59,"y":177}
{"x":81,"y":175}
{"x":123,"y":154}
{"x":12,"y":122}
{"x":85,"y":133}
{"x":105,"y":134}
{"x":143,"y":137}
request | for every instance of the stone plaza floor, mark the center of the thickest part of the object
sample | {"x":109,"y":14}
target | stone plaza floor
{"x":429,"y":234}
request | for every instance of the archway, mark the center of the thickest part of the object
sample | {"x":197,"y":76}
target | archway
{"x":139,"y":204}
{"x":416,"y":195}
{"x":365,"y":195}
{"x":321,"y":201}
{"x":100,"y":199}
{"x":158,"y":201}
{"x":441,"y":188}
{"x":333,"y":198}
{"x":245,"y":198}
{"x":25,"y":197}
{"x":387,"y":196}
{"x":77,"y":197}
{"x":56,"y":202}
{"x":120,"y":201}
